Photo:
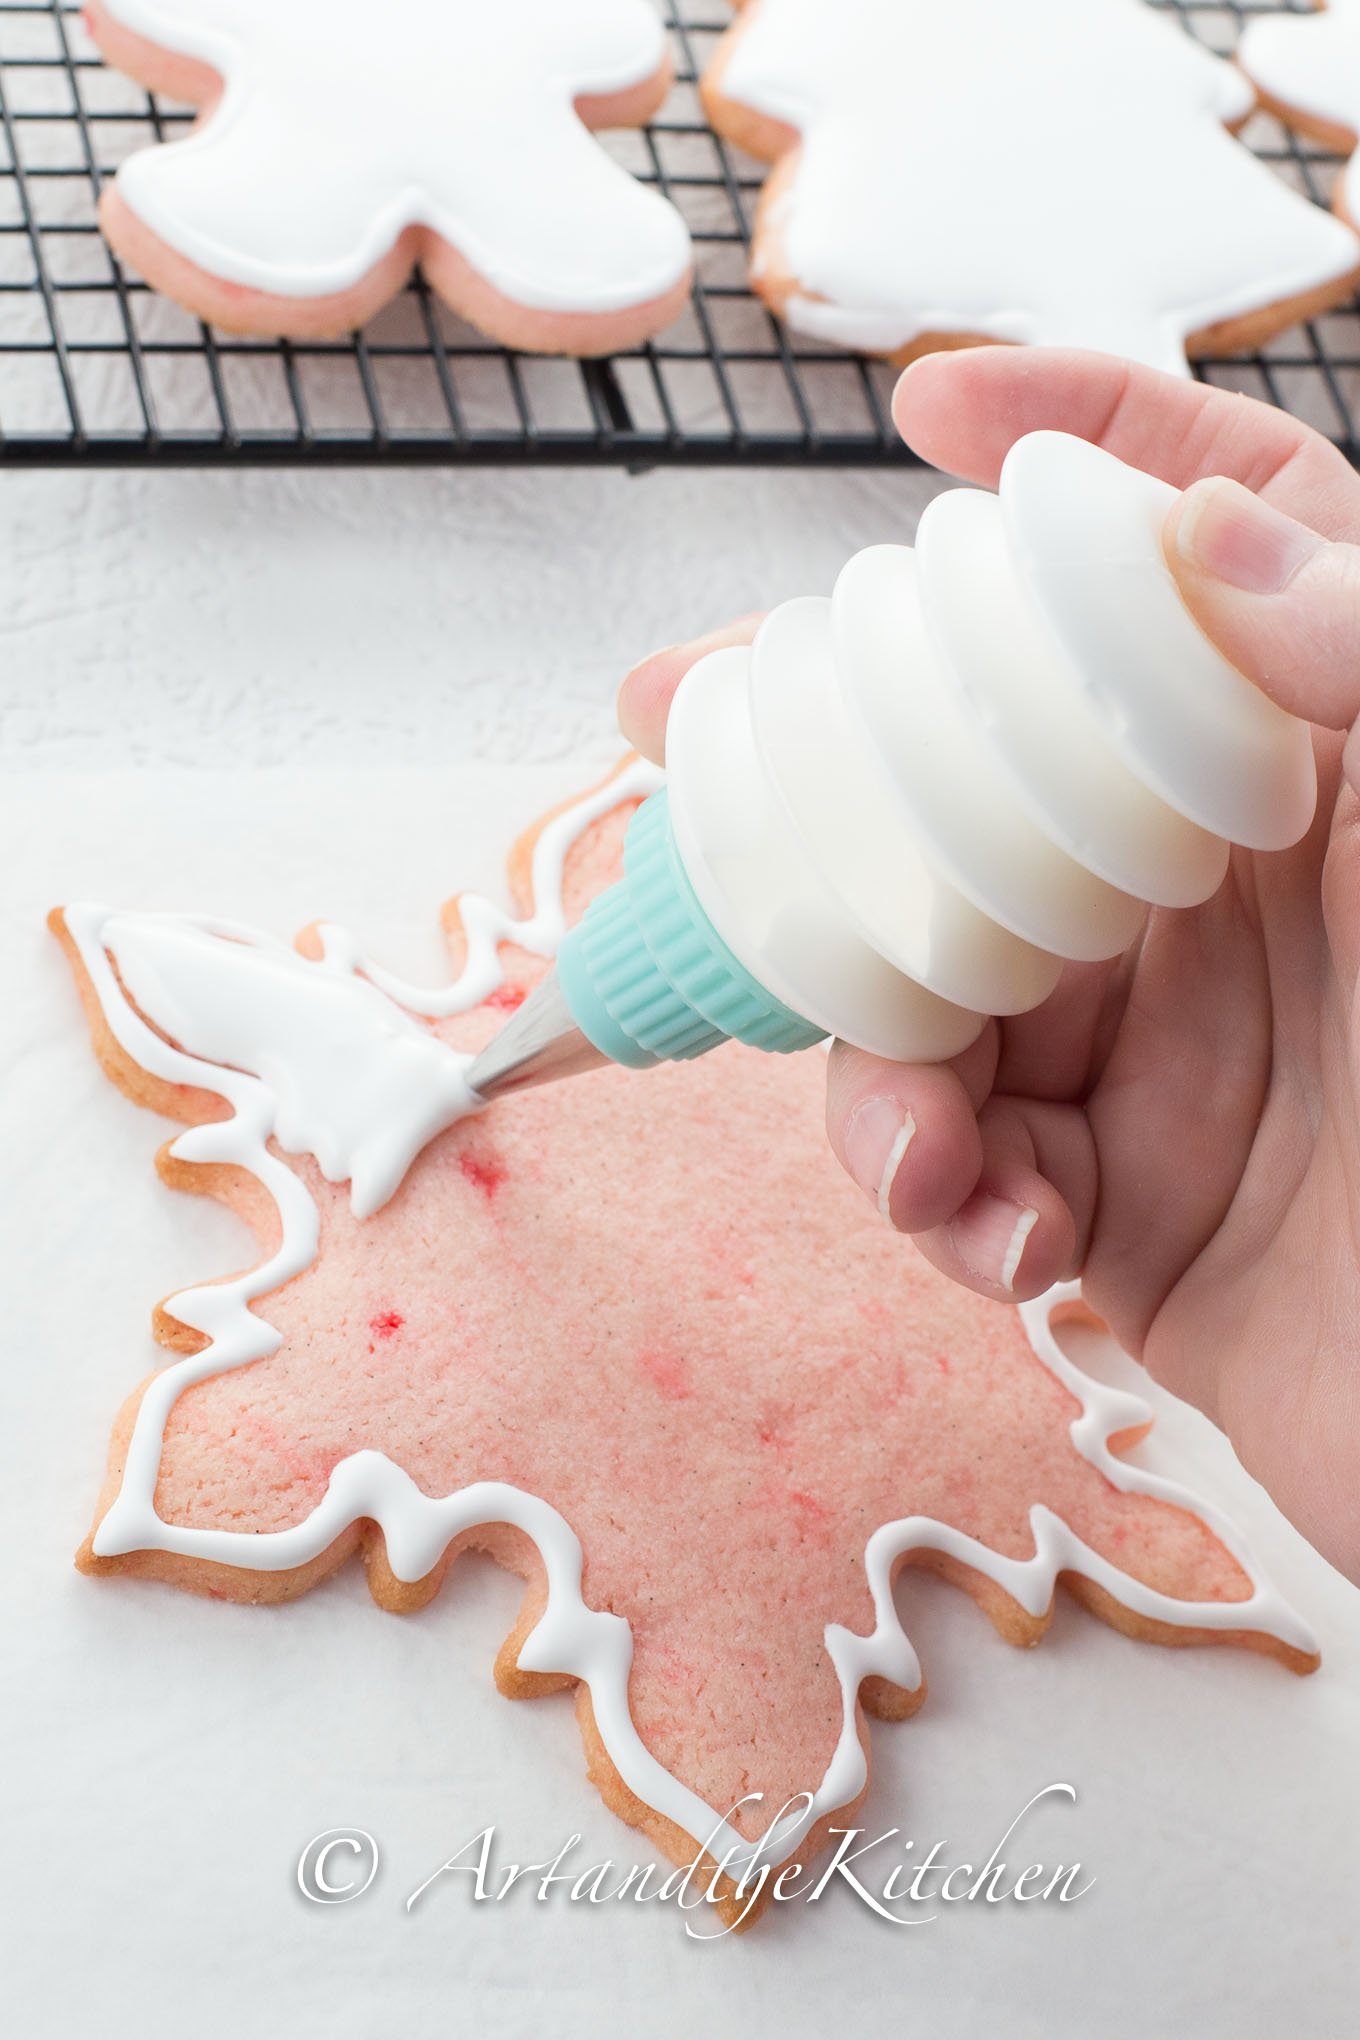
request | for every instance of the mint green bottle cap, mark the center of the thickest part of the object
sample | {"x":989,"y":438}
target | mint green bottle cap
{"x":647,"y":977}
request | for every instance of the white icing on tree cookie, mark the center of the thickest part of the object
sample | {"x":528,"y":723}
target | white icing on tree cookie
{"x":341,"y":125}
{"x":1057,"y":171}
{"x":1310,"y":65}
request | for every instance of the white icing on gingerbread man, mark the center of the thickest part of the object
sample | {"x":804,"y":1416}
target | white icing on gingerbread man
{"x":340,"y":126}
{"x":1057,"y":172}
{"x":1309,"y":65}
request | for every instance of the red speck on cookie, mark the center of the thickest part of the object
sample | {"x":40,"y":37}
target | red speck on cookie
{"x":668,"y":1373}
{"x":486,"y":1172}
{"x":385,"y":1324}
{"x":807,"y":1506}
{"x":506,"y":998}
{"x":775,"y":1427}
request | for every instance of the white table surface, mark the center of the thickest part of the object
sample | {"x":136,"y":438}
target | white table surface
{"x":278,"y":696}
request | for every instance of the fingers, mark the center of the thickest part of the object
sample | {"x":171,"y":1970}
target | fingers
{"x":964,"y":411}
{"x":1057,"y":1050}
{"x":648,"y":690}
{"x":906,"y":1132}
{"x":1280,"y":602}
{"x":1027,"y":1222}
{"x":1000,"y":1193}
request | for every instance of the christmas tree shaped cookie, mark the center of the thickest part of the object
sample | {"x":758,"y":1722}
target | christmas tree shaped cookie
{"x":1307,"y":69}
{"x":1059,"y":172}
{"x":339,"y":144}
{"x":633,"y":1334}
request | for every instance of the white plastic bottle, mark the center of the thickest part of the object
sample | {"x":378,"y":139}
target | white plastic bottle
{"x":903,"y":806}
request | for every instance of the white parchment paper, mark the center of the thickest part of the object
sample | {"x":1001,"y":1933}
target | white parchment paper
{"x":166,"y":1758}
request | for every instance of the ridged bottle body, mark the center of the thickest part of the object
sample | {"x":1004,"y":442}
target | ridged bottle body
{"x":905,"y":805}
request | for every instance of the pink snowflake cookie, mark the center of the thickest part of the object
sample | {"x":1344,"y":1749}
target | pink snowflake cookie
{"x":635,"y":1335}
{"x":338,"y":145}
{"x":1057,"y":171}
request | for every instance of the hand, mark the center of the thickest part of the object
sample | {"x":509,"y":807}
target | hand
{"x":1181,"y":1125}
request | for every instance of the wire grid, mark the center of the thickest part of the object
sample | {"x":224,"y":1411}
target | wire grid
{"x":96,"y":369}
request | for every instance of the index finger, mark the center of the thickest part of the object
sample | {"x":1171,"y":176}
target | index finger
{"x":648,"y":690}
{"x":964,"y":411}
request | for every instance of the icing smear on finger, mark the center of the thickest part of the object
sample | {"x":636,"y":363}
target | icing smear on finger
{"x":162,"y":990}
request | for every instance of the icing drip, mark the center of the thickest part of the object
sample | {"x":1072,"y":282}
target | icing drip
{"x":1057,"y":172}
{"x":182,"y":968}
{"x":316,"y":158}
{"x":355,"y":1083}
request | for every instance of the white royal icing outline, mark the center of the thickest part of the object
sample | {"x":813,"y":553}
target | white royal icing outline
{"x":991,"y":92}
{"x":497,"y":193}
{"x":587,"y":1644}
{"x":1310,"y":64}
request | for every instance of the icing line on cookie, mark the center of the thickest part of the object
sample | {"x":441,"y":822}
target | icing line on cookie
{"x":569,"y":1637}
{"x":311,"y":164}
{"x":1058,"y":172}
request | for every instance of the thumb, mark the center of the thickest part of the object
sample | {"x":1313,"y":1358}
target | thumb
{"x":1280,"y":602}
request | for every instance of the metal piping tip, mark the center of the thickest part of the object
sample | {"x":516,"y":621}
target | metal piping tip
{"x":538,"y":1044}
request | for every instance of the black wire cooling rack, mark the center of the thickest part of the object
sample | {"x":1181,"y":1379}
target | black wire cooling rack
{"x":97,"y":370}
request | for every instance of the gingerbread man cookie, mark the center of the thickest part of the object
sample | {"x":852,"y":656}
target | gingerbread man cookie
{"x":1060,"y":172}
{"x":633,"y":1334}
{"x":337,"y":146}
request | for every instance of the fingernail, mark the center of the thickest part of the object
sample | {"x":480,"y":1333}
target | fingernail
{"x":876,"y":1138}
{"x":989,"y":1234}
{"x":1220,"y":528}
